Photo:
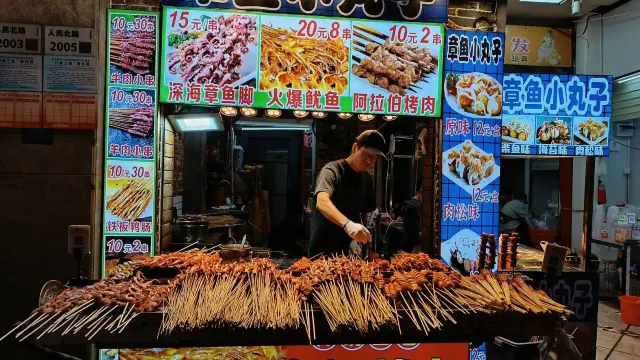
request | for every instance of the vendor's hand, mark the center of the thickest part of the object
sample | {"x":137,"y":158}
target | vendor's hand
{"x":355,"y":249}
{"x":357,"y":232}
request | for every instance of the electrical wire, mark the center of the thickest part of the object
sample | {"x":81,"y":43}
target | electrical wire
{"x":625,"y":145}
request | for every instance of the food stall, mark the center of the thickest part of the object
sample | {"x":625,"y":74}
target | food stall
{"x":221,"y":65}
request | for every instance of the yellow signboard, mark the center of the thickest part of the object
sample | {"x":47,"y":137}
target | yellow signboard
{"x":538,"y":46}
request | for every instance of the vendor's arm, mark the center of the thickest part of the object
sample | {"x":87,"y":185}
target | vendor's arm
{"x":325,"y":186}
{"x":328,"y":210}
{"x":324,"y":190}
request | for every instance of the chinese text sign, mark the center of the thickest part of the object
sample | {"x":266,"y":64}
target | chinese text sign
{"x":223,"y":58}
{"x":472,"y":111}
{"x":556,"y":115}
{"x":130,"y":138}
{"x":410,"y":10}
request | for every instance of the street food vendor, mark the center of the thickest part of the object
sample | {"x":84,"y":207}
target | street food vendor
{"x":513,"y":214}
{"x":344,"y":191}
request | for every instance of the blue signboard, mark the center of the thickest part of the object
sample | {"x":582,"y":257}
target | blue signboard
{"x":418,"y":10}
{"x":556,"y":115}
{"x":473,"y":68}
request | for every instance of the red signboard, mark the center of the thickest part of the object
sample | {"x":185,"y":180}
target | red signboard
{"x":302,"y":352}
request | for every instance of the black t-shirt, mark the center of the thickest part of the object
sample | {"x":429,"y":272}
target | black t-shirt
{"x":411,"y":226}
{"x":352,"y":194}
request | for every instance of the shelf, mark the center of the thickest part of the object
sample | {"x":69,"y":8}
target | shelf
{"x":607,"y":244}
{"x":143,"y":333}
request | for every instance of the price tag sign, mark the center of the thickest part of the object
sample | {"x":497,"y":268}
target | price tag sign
{"x":65,"y":40}
{"x":20,"y":38}
{"x":622,"y":218}
{"x":631,"y":218}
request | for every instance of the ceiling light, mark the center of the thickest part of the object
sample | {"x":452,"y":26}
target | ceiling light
{"x":626,"y":78}
{"x":196,"y":122}
{"x":345,"y":115}
{"x":266,"y":128}
{"x":366,"y":117}
{"x":319,"y":114}
{"x":389,"y":117}
{"x":248,"y":112}
{"x":273,"y":113}
{"x":300,"y":113}
{"x":246,"y":124}
{"x":228,"y":111}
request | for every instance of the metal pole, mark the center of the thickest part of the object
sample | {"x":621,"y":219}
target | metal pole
{"x":589,"y":178}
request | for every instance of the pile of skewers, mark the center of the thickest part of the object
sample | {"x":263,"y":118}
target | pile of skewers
{"x":348,"y":292}
{"x":106,"y":305}
{"x":138,"y":122}
{"x":133,"y":52}
{"x":131,"y":200}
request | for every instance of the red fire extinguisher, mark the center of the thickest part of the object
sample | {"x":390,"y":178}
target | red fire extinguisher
{"x":602,"y":192}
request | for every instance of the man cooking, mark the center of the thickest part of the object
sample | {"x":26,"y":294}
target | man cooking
{"x":344,"y":191}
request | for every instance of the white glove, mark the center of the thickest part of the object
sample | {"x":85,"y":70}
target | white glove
{"x":355,"y":249}
{"x":357,"y":232}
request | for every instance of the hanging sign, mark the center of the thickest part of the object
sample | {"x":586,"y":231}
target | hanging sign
{"x":407,"y":10}
{"x":130,"y":160}
{"x":20,"y":38}
{"x":473,"y":107}
{"x":538,"y":46}
{"x":65,"y":40}
{"x":556,"y":115}
{"x":301,"y":63}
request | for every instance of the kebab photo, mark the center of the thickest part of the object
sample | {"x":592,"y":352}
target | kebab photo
{"x":254,"y":294}
{"x":391,"y":65}
{"x":215,"y":57}
{"x":289,"y":61}
{"x":131,"y":200}
{"x":135,"y":121}
{"x":133,"y":52}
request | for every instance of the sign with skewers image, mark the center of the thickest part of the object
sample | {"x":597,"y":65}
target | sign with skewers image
{"x":224,"y":58}
{"x":130,"y":138}
{"x":471,"y":144}
{"x":407,"y":10}
{"x":556,"y":115}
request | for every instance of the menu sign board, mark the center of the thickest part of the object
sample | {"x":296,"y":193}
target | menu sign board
{"x":408,"y":10}
{"x":130,"y":138}
{"x":538,"y":46}
{"x":307,"y":352}
{"x":471,"y":143}
{"x":556,"y":115}
{"x":20,"y":38}
{"x":301,"y":63}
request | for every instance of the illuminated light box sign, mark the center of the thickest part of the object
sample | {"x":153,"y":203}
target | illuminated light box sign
{"x":418,"y":10}
{"x":453,"y":351}
{"x":556,"y":115}
{"x":473,"y":107}
{"x":223,"y":58}
{"x":129,"y":215}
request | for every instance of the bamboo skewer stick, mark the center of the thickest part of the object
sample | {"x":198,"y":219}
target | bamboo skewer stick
{"x":18,"y":326}
{"x":35,"y":322}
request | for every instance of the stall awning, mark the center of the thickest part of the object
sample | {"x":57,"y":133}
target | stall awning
{"x":626,"y":98}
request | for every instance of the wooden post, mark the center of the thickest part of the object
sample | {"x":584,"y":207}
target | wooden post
{"x":589,"y":178}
